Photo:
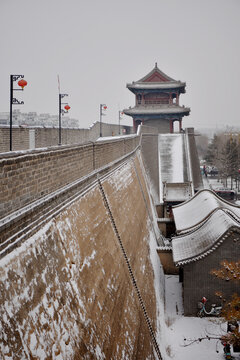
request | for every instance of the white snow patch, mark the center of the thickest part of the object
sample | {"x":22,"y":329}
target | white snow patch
{"x":87,"y":259}
{"x":99,"y":354}
{"x":179,"y":327}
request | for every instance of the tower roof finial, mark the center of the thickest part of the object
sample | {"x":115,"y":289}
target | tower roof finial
{"x":155,"y":64}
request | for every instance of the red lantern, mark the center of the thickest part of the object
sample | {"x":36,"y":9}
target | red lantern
{"x":105,"y":107}
{"x":67,"y":107}
{"x":22,"y":83}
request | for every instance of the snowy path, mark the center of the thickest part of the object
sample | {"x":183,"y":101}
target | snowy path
{"x":180,"y":327}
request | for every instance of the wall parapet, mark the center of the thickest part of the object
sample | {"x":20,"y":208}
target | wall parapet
{"x":22,"y":223}
{"x":31,"y":137}
{"x":36,"y":184}
{"x":29,"y":175}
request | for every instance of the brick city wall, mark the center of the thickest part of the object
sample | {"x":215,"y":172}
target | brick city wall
{"x":45,"y":137}
{"x":29,"y":175}
{"x":149,"y":145}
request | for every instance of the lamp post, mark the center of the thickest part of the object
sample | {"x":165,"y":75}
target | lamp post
{"x":13,"y":101}
{"x":60,"y":113}
{"x":119,"y":119}
{"x":102,"y":107}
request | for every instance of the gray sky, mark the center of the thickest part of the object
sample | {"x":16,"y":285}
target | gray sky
{"x":96,"y":47}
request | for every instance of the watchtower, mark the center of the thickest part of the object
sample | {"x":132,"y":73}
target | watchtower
{"x":157,"y":101}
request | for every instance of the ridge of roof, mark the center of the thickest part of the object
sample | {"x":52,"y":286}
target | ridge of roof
{"x":193,"y":212}
{"x":191,"y":230}
{"x":161,"y":73}
{"x":210,"y":191}
{"x":211,"y":249}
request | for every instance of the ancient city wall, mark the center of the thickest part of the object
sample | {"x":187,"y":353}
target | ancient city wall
{"x":28,"y":176}
{"x":162,"y":126}
{"x":46,"y":136}
{"x":149,"y":145}
{"x":67,"y":292}
{"x":194,"y":160}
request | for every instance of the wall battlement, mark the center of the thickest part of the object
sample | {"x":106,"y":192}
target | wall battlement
{"x":24,"y":138}
{"x":28,"y":176}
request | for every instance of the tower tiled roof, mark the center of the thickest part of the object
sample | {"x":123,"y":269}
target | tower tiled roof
{"x":156,"y":80}
{"x":161,"y":110}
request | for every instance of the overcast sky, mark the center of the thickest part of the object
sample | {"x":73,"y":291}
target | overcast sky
{"x":96,"y":47}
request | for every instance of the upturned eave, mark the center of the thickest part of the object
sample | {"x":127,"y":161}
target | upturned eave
{"x":154,"y":86}
{"x":168,"y":110}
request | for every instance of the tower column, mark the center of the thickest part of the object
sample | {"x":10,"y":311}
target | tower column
{"x":171,"y":126}
{"x":177,"y":99}
{"x":180,"y":125}
{"x":134,"y":126}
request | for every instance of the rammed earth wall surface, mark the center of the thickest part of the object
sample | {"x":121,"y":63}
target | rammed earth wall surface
{"x":67,"y":293}
{"x":27,"y":176}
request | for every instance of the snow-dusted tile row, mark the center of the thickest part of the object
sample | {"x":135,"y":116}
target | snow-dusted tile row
{"x":198,"y":208}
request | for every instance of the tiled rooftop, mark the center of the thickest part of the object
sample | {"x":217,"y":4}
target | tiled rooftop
{"x":194,"y":211}
{"x":205,"y":238}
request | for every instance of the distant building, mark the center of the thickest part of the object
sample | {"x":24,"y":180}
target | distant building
{"x":4,"y":118}
{"x":33,"y":119}
{"x":157,"y":101}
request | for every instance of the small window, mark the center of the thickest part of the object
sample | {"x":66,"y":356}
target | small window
{"x":139,"y":99}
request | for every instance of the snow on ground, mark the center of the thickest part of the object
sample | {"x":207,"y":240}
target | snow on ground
{"x":214,"y":183}
{"x":179,"y":327}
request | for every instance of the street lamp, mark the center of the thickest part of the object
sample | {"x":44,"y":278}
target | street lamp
{"x":13,"y":101}
{"x":102,"y":107}
{"x":119,"y":118}
{"x":61,"y":113}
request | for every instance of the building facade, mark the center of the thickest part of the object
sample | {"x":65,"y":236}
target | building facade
{"x":208,"y":235}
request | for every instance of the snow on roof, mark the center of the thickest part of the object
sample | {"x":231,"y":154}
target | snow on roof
{"x":163,"y":109}
{"x":205,"y":239}
{"x":198,"y":208}
{"x":176,"y":191}
{"x":156,"y":86}
{"x":172,"y":166}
